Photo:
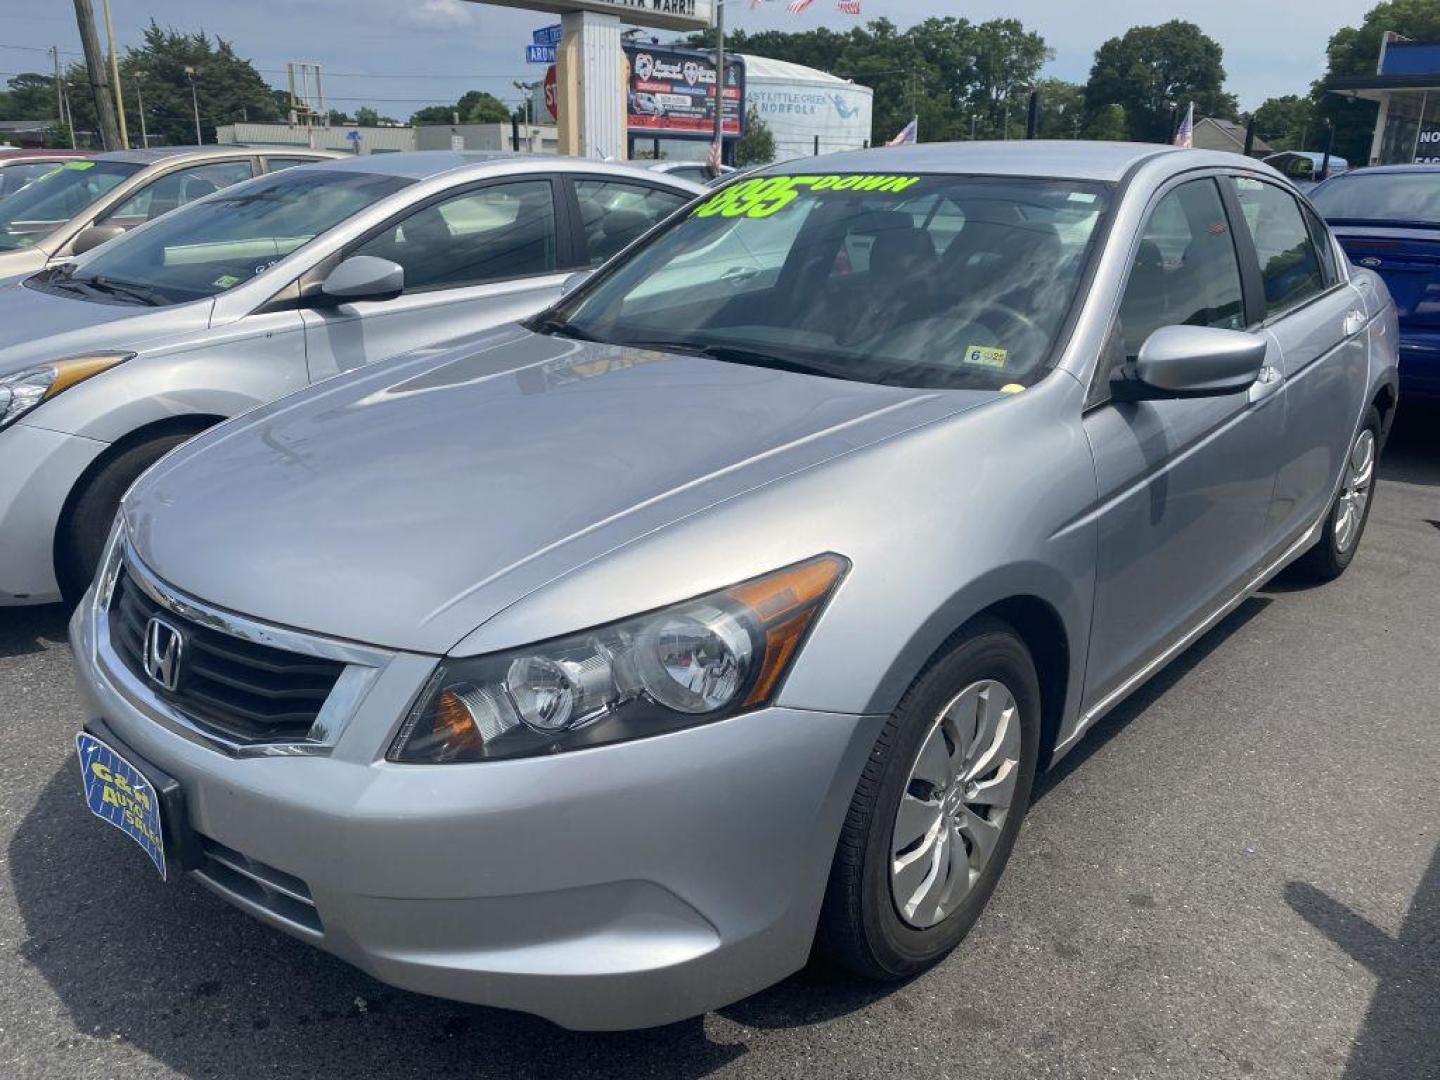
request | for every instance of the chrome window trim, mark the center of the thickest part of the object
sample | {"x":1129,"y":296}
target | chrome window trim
{"x":364,"y":663}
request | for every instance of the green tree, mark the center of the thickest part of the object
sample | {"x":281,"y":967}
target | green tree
{"x":1355,"y":50}
{"x":1287,"y":123}
{"x":757,"y":145}
{"x":432,"y":114}
{"x":949,"y":72}
{"x":336,"y":118}
{"x":1062,"y":109}
{"x":1154,"y":72}
{"x":227,"y":88}
{"x":365,"y":116}
{"x":1109,"y":124}
{"x":31,"y":96}
{"x":478,"y":107}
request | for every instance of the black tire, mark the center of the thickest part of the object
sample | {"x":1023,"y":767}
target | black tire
{"x":1326,"y":561}
{"x":860,"y":925}
{"x":86,"y":526}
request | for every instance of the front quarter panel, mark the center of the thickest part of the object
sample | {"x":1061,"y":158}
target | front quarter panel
{"x":939,"y":523}
{"x":220,"y":372}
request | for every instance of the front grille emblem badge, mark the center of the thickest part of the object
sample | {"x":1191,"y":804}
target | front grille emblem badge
{"x":163,"y":646}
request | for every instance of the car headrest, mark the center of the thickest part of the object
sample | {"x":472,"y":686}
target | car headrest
{"x":898,"y":254}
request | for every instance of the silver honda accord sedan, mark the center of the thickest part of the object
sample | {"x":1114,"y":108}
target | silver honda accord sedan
{"x":601,"y":665}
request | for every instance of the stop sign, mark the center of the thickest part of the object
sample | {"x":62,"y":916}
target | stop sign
{"x":551,"y":95}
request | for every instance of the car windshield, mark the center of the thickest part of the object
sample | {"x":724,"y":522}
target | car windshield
{"x":929,"y":281}
{"x":1361,"y":196}
{"x":48,"y":201}
{"x":214,"y":244}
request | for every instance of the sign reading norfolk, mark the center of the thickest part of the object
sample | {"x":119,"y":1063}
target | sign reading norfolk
{"x":670,"y":14}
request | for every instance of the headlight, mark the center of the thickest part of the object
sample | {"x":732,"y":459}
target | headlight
{"x":699,"y":661}
{"x":22,"y":391}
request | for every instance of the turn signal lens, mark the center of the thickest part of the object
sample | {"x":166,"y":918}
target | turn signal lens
{"x":22,"y":391}
{"x":698,"y":661}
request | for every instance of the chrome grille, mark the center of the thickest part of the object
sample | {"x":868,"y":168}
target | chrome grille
{"x":246,"y":691}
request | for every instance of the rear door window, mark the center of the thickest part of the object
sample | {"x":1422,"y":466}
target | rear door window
{"x":493,"y":233}
{"x":175,"y":189}
{"x":613,"y":213}
{"x":1289,"y":264}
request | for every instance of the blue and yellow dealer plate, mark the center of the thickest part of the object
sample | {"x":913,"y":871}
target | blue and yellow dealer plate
{"x":118,"y":793}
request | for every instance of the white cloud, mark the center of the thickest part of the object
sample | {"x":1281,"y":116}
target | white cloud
{"x":440,"y":15}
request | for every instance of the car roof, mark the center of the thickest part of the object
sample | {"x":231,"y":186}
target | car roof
{"x":1409,"y":167}
{"x":163,"y":153}
{"x":423,"y":164}
{"x":1072,"y":159}
{"x":9,"y":153}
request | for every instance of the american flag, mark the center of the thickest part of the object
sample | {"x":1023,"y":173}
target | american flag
{"x":1186,"y":135}
{"x":849,"y":7}
{"x":909,"y":134}
{"x":795,"y":7}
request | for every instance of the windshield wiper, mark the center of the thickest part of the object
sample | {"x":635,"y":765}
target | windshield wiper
{"x":143,"y":293}
{"x":557,"y":327}
{"x":737,"y":354}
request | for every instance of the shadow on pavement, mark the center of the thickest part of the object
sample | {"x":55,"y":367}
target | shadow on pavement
{"x":1115,"y":721}
{"x":1400,"y":1038}
{"x":25,"y":630}
{"x":207,"y":991}
{"x":1412,"y":454}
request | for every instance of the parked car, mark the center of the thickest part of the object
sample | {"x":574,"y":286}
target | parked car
{"x":594,"y":666}
{"x":19,"y":167}
{"x":1306,"y":168}
{"x":109,"y":361}
{"x":87,"y":201}
{"x":698,"y":171}
{"x":1387,"y":219}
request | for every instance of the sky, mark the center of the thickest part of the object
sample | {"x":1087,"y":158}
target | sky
{"x":398,"y":55}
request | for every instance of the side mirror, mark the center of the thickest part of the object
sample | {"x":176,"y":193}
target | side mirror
{"x":1192,"y":361}
{"x":362,"y":277}
{"x":574,"y":281}
{"x":92,"y":237}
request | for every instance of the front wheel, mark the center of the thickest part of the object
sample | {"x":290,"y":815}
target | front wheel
{"x":1345,"y":523}
{"x":937,"y":809}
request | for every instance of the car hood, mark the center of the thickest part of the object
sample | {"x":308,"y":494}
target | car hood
{"x":37,"y":326}
{"x":404,"y":505}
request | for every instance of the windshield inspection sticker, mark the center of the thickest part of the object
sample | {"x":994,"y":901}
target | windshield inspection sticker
{"x":79,"y":166}
{"x":224,"y":281}
{"x":768,"y":195}
{"x":985,"y":356}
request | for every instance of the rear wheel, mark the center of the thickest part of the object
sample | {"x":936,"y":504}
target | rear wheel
{"x":937,"y":809}
{"x":1345,"y":523}
{"x":87,"y":525}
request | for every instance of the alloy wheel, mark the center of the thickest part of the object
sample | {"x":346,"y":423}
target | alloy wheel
{"x":1355,"y":491}
{"x":955,"y":802}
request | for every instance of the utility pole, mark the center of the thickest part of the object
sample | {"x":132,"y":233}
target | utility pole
{"x":115,"y":78}
{"x":190,"y":74}
{"x":59,"y":93}
{"x":140,"y":102}
{"x":720,"y":78}
{"x":95,"y":72}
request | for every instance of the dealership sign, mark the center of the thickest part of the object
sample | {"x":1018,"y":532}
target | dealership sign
{"x":1427,"y":147}
{"x":671,"y":14}
{"x":672,"y":93}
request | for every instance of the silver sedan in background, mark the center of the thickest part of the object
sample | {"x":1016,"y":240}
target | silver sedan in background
{"x":109,"y":361}
{"x":83,"y":202}
{"x":598,"y":666}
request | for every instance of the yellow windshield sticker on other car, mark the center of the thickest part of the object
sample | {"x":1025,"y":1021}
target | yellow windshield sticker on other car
{"x":79,"y":166}
{"x":985,"y":355}
{"x":766,"y":195}
{"x":1011,"y":388}
{"x":224,"y":281}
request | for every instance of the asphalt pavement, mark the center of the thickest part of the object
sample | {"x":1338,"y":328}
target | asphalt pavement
{"x":1237,"y":874}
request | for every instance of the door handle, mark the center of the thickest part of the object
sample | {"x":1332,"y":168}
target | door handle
{"x":1354,"y":323}
{"x":1266,"y":383}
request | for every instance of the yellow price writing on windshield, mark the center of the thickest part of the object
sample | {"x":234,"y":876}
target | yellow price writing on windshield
{"x":766,"y":195}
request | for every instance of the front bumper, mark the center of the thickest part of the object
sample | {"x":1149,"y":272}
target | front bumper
{"x":625,"y":886}
{"x":38,"y":470}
